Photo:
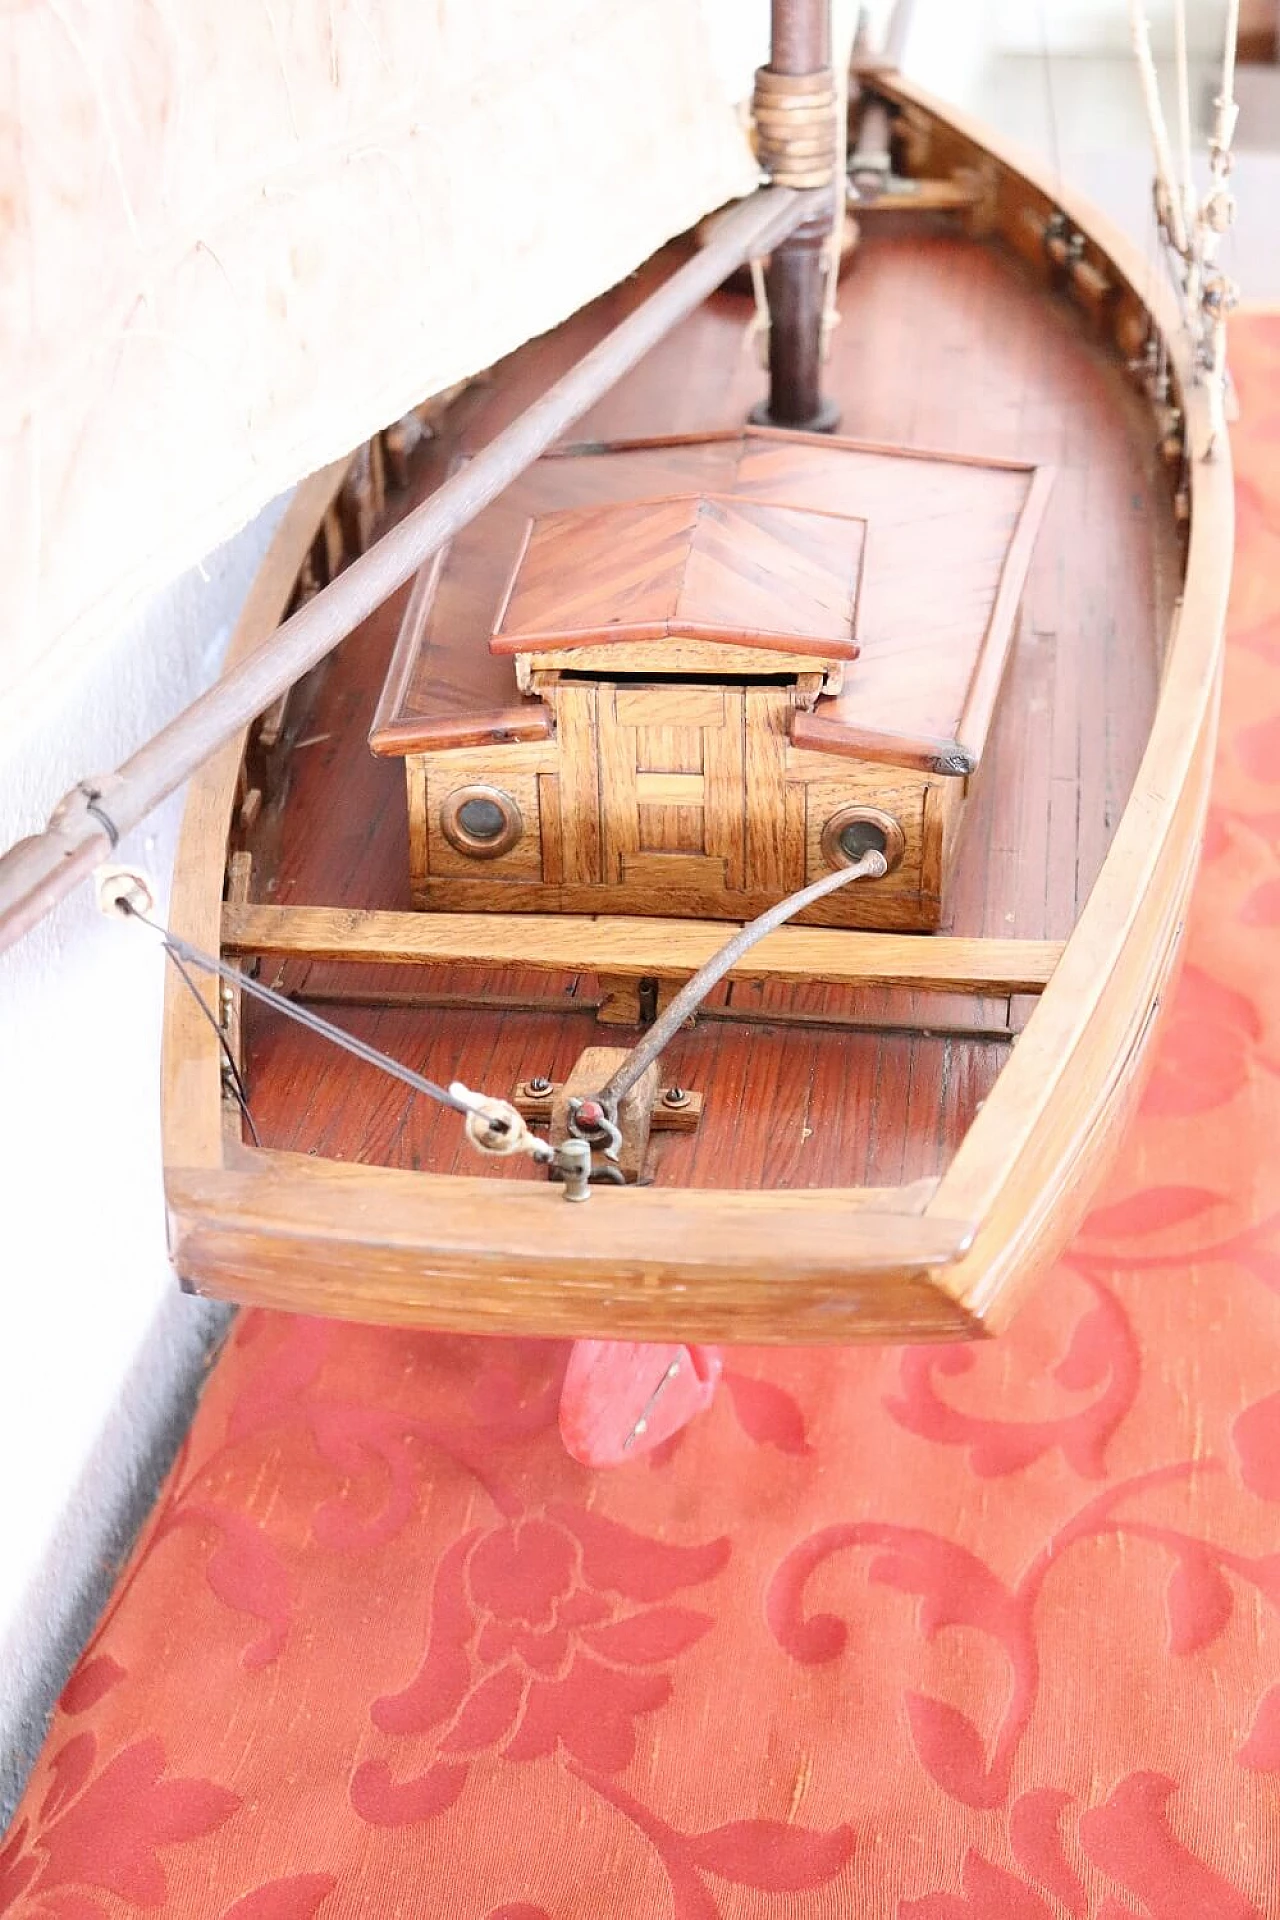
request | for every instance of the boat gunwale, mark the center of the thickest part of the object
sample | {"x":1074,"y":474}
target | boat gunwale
{"x":1075,"y":1003}
{"x":996,"y":1220}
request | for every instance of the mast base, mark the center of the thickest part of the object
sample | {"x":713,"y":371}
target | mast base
{"x":825,"y":420}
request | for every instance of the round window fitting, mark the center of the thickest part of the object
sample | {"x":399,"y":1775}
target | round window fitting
{"x":853,"y":831}
{"x":483,"y":822}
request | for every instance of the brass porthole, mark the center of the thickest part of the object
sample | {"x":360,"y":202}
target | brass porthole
{"x":853,"y":831}
{"x":481,"y":821}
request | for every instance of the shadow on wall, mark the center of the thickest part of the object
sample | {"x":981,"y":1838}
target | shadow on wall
{"x":101,"y":1355}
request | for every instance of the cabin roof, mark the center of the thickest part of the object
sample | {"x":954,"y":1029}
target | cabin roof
{"x":943,"y":544}
{"x":705,"y":566}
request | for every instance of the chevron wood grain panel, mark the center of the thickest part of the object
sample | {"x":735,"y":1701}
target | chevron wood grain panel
{"x":771,"y":570}
{"x":701,"y":564}
{"x":588,"y":568}
{"x":942,"y":544}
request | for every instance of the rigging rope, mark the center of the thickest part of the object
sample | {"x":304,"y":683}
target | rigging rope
{"x":1050,"y":98}
{"x":1168,"y":201}
{"x":1192,"y":226}
{"x":871,"y":866}
{"x":839,"y":211}
{"x":1217,"y":217}
{"x":1186,"y":181}
{"x":492,"y":1125}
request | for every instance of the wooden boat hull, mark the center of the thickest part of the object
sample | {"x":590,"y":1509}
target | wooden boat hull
{"x":939,"y":1258}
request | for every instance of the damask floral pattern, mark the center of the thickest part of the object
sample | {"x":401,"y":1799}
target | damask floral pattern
{"x":945,"y":1634}
{"x":531,"y":1652}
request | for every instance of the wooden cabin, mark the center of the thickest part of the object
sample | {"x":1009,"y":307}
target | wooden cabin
{"x":688,"y":677}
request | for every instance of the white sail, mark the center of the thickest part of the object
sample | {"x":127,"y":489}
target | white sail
{"x":242,"y":236}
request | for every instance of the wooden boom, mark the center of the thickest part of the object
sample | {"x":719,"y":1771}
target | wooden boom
{"x":39,"y":871}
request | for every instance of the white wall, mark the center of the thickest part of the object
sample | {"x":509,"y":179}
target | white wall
{"x":1100,"y":26}
{"x":98,"y":1349}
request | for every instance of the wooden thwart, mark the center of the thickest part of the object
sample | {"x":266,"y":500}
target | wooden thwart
{"x":634,"y":948}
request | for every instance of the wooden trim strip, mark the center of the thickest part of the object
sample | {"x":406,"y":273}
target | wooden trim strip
{"x":630,"y":633}
{"x":421,"y":599}
{"x":997,"y":646}
{"x":925,"y":754}
{"x":670,"y":789}
{"x":1075,"y":1132}
{"x":635,"y":443}
{"x":503,"y":726}
{"x":629,"y":948}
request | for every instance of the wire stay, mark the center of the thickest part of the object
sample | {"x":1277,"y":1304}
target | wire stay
{"x":492,"y":1125}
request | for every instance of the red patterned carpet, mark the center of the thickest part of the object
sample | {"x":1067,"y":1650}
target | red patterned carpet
{"x":935,"y":1635}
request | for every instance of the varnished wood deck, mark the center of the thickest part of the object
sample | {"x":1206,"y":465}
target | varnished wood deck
{"x":944,"y":344}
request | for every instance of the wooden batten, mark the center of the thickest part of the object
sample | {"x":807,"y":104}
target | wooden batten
{"x":633,"y":949}
{"x":683,"y":654}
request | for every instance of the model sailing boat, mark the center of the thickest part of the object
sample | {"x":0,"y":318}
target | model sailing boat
{"x":752,"y":919}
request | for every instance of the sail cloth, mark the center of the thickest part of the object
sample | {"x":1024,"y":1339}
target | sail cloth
{"x":238,"y":236}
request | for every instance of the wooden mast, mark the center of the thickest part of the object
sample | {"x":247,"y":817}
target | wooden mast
{"x":795,"y":110}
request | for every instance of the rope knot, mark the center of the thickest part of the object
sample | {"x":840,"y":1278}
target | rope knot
{"x":796,"y":130}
